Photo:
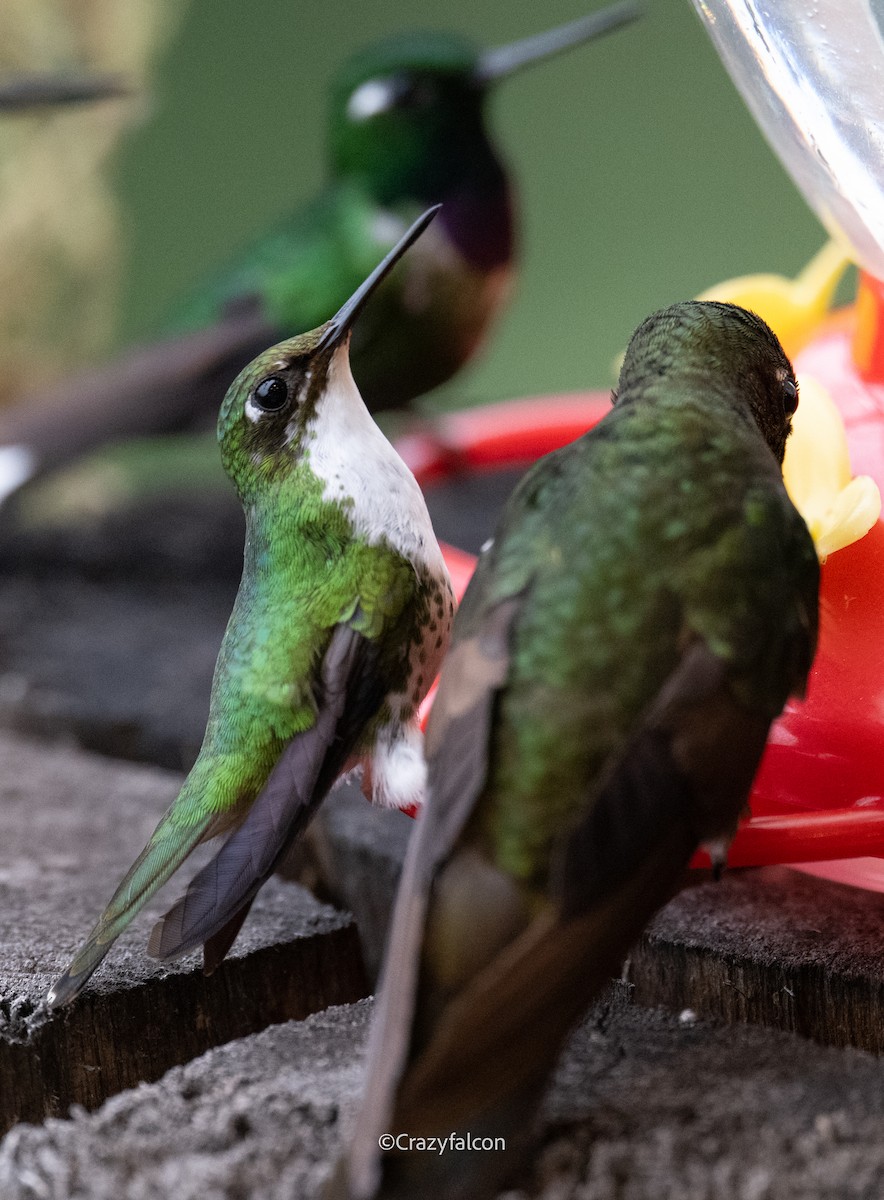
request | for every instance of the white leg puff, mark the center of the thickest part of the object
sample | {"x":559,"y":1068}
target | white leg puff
{"x":398,"y":771}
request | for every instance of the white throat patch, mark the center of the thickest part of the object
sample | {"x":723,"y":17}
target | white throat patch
{"x":355,"y":461}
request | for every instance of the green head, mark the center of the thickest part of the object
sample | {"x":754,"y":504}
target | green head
{"x":407,"y":114}
{"x":268,"y":410}
{"x":721,"y":350}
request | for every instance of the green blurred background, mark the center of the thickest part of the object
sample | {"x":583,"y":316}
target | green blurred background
{"x":642,"y":179}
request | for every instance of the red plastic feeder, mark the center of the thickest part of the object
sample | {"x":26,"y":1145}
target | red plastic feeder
{"x":819,"y":795}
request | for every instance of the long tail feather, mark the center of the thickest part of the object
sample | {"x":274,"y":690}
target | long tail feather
{"x":167,"y":849}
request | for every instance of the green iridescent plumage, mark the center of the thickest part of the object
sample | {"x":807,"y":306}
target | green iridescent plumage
{"x":646,"y":608}
{"x":712,"y":536}
{"x":330,"y":647}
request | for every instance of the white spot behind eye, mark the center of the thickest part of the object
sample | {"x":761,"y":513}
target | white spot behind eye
{"x":252,"y":411}
{"x":370,"y":98}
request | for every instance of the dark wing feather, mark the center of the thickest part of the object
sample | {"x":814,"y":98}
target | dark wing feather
{"x":211,"y":910}
{"x":691,"y":763}
{"x":501,"y":1035}
{"x":475,"y":669}
{"x":30,"y":91}
{"x":643,"y":819}
{"x":684,"y":776}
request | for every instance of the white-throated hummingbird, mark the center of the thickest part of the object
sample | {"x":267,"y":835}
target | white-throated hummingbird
{"x":338,"y":629}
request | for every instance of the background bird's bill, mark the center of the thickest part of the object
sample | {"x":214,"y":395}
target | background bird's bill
{"x":505,"y":60}
{"x":340,"y":324}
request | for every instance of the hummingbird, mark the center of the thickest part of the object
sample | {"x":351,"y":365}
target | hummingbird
{"x":337,"y":631}
{"x":406,"y":129}
{"x":648,"y":604}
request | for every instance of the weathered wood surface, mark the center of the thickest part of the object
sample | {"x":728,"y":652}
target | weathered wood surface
{"x":71,"y":825}
{"x":775,"y":947}
{"x":109,"y":630}
{"x":643,"y":1107}
{"x":770,"y":946}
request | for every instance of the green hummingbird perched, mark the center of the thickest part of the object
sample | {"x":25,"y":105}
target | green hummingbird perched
{"x":406,"y":129}
{"x":646,"y":608}
{"x":339,"y":626}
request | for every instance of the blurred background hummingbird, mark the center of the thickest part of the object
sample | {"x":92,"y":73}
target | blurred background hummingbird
{"x":647,"y":606}
{"x":406,"y":128}
{"x":338,"y":629}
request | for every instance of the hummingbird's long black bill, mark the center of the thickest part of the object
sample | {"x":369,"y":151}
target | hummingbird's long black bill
{"x":342,"y":322}
{"x":504,"y":60}
{"x":25,"y":92}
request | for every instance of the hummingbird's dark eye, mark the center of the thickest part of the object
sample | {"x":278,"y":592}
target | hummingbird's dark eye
{"x":790,"y":397}
{"x":271,"y":393}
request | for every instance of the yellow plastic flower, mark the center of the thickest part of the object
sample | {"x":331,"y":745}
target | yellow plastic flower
{"x":793,"y":308}
{"x":838,"y":509}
